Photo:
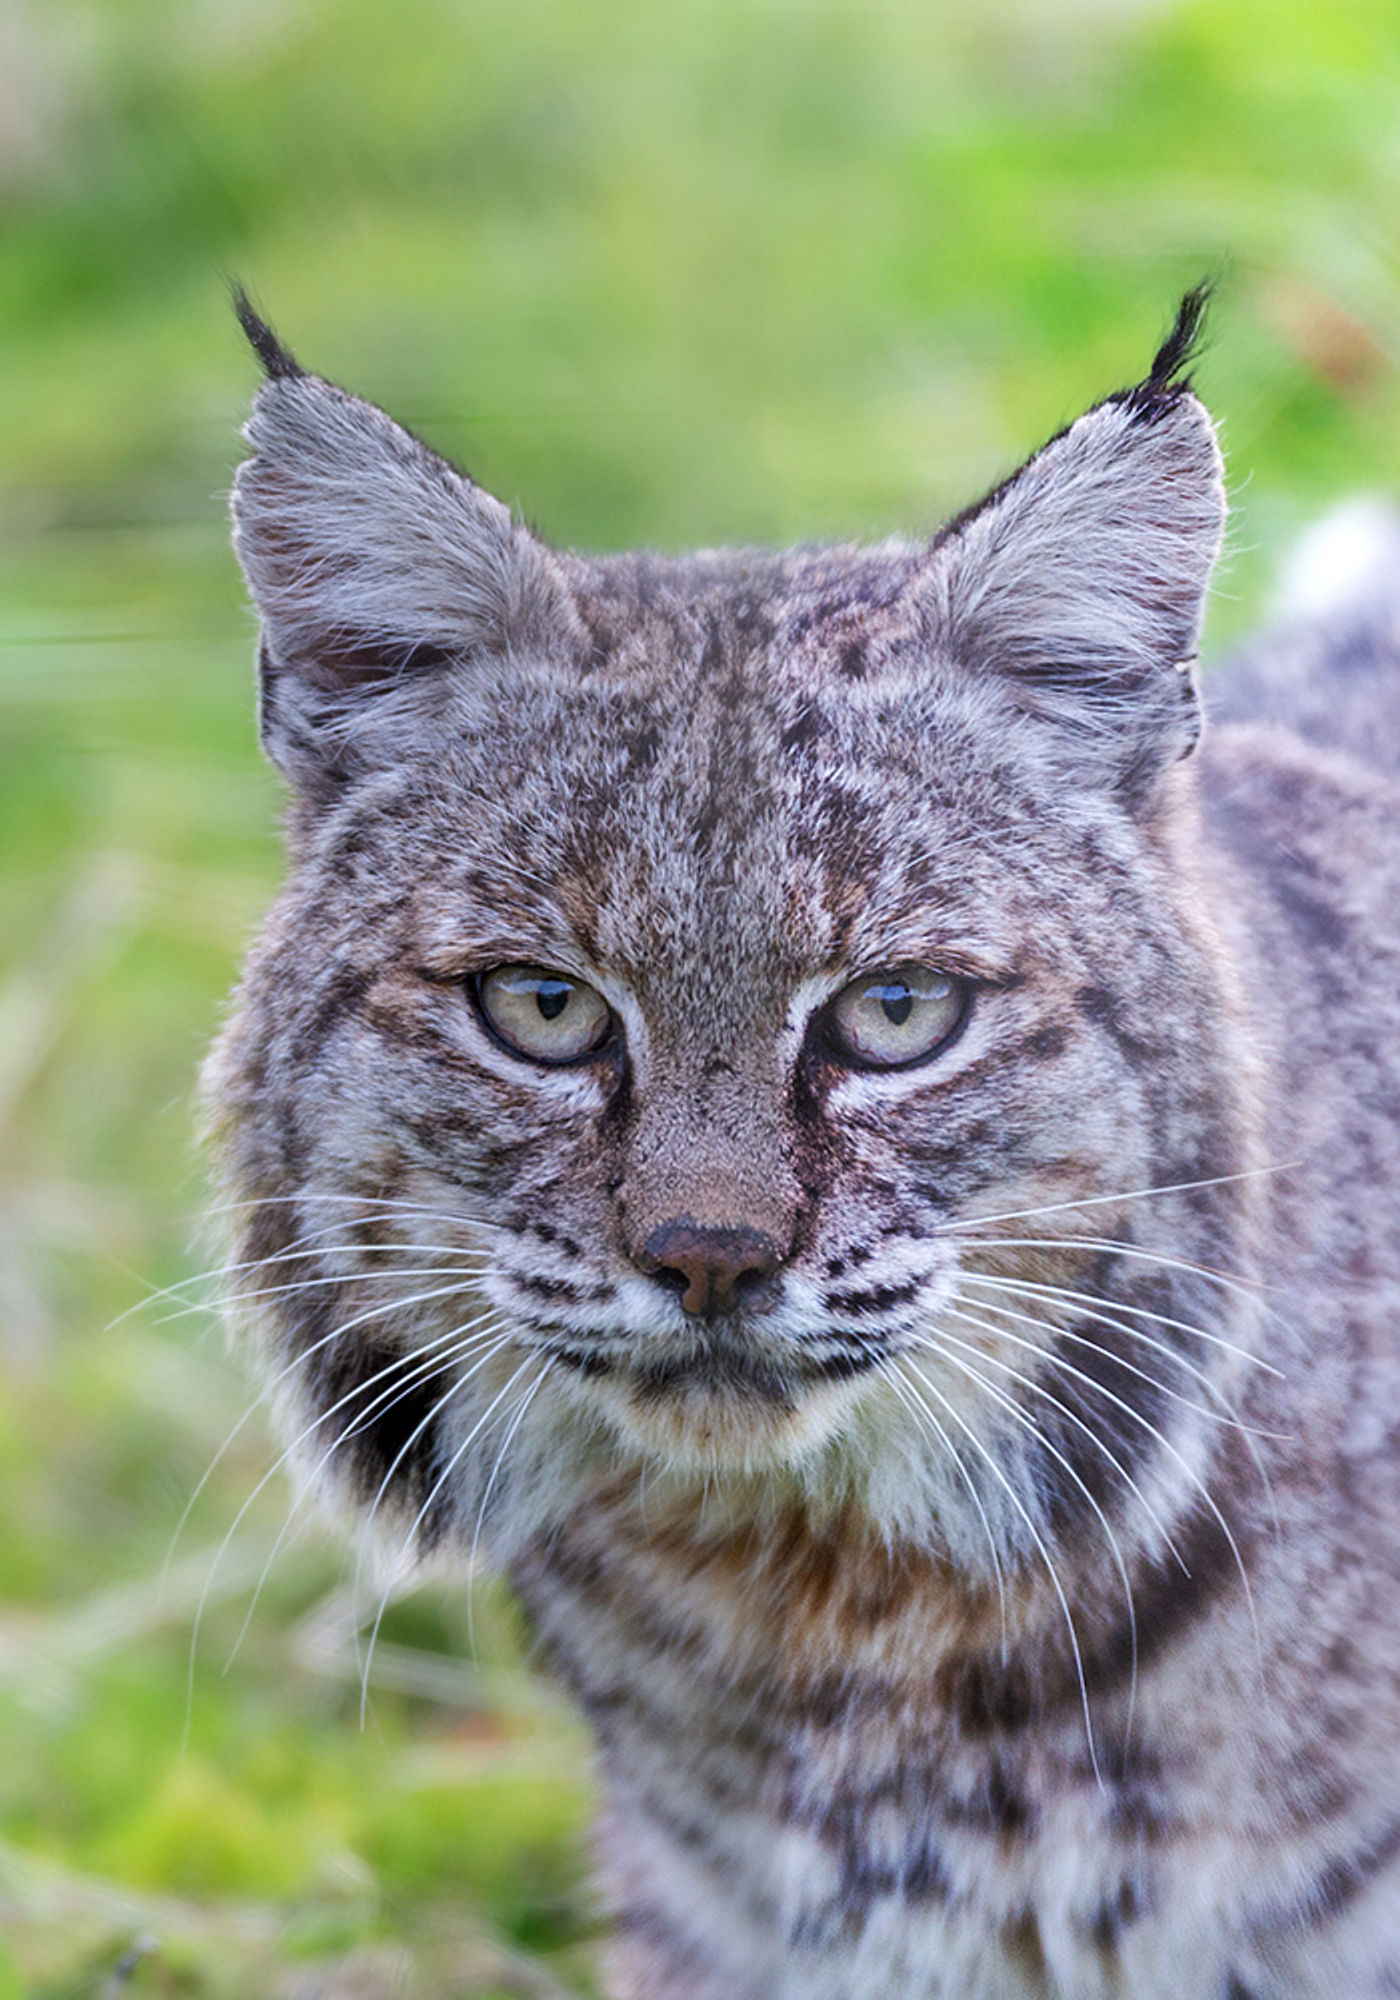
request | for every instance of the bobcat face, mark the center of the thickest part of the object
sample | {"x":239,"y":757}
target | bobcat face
{"x":686,"y":962}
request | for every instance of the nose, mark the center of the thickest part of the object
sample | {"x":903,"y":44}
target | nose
{"x":713,"y":1268}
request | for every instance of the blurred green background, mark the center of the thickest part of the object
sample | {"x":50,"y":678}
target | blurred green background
{"x":672,"y":273}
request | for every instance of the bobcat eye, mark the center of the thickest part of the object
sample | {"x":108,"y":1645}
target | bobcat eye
{"x":544,"y":1015}
{"x":897,"y":1016}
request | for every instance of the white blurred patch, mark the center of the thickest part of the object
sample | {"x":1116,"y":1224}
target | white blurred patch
{"x":1349,"y":559}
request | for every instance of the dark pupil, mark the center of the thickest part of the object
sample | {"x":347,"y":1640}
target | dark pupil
{"x":898,"y":1003}
{"x":552,"y":998}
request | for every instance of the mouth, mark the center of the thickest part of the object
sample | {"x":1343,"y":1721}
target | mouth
{"x":725,"y":1371}
{"x":720,"y":1362}
{"x":722,"y":1397}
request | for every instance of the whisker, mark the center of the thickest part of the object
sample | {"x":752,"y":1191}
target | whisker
{"x":1039,"y":1288}
{"x":1039,"y":1389}
{"x":289,"y":1450}
{"x":402,"y":1453}
{"x":506,"y":1442}
{"x":329,"y":1280}
{"x":398,"y":1386}
{"x":291,"y":1367}
{"x":922,"y":1409}
{"x":1152,"y":1429}
{"x":422,"y":1515}
{"x":371,"y":1204}
{"x":1131,"y":1194}
{"x":1028,"y":1423}
{"x":371,"y":1210}
{"x":1121,"y":1361}
{"x":1251,"y":1433}
{"x":1044,"y":1552}
{"x":1112,"y":1247}
{"x":299,"y":1253}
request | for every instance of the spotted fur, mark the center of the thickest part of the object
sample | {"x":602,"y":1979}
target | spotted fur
{"x":1000,"y":1599}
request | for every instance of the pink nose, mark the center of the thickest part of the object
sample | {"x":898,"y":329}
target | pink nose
{"x":713,"y":1269}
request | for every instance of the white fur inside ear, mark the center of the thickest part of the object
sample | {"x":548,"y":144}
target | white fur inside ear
{"x":351,"y":531}
{"x":1082,"y":581}
{"x":372,"y":561}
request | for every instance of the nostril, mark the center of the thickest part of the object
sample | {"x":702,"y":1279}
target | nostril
{"x":674,"y":1280}
{"x":752,"y":1283}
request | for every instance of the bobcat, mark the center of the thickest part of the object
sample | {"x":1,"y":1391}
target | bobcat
{"x":794,"y":1100}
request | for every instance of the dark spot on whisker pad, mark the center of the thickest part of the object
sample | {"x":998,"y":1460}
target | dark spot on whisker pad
{"x":387,"y":1426}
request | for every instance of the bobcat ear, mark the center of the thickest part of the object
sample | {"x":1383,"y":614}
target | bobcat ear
{"x":374,"y":565}
{"x":1081,"y":581}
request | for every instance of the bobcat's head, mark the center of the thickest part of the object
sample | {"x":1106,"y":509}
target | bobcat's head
{"x":716,"y":1002}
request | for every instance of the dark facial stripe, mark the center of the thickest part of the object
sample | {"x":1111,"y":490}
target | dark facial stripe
{"x":842,"y":1367}
{"x":385,"y":1405}
{"x":342,"y":993}
{"x":1097,"y":1004}
{"x":879,"y":1299}
{"x":557,"y":1290}
{"x":1109,"y":1445}
{"x":1170,"y":1600}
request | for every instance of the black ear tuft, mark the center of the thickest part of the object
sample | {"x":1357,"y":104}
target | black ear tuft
{"x":1180,"y":347}
{"x":279,"y":361}
{"x":1168,"y":378}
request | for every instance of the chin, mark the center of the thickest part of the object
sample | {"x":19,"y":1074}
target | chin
{"x":698,"y":1421}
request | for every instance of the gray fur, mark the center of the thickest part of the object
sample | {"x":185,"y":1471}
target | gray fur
{"x":1001,"y":1601}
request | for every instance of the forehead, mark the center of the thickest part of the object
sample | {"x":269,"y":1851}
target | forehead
{"x":762,"y":756}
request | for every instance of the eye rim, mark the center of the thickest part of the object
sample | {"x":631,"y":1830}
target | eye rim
{"x":849,"y":1057}
{"x":604,"y":1045}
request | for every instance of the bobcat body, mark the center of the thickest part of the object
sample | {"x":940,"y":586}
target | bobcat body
{"x":789,"y":1100}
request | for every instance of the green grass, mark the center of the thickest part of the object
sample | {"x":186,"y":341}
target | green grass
{"x":672,"y":274}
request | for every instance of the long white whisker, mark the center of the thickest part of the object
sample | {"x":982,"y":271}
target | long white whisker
{"x":1251,"y":1433}
{"x":330,"y":1279}
{"x":1041,"y":1289}
{"x":420,"y":1365}
{"x":372,"y":1208}
{"x":405,"y":1360}
{"x":297,"y":1361}
{"x":1044,"y":1552}
{"x":923,"y":1410}
{"x":1112,"y":1247}
{"x":1153,"y":1431}
{"x":1100,"y":1200}
{"x":1120,"y":1361}
{"x":1023,"y":1417}
{"x":1039,"y":1389}
{"x":299,"y":1251}
{"x":402,"y":1453}
{"x":422,"y":1515}
{"x":506,"y":1442}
